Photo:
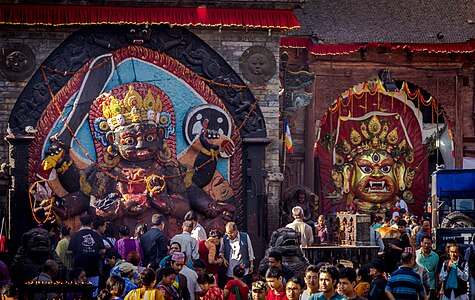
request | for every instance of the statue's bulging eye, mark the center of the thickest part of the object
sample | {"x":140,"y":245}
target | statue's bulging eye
{"x":144,"y":31}
{"x":366,"y":169}
{"x":128,"y":141}
{"x":385,"y":169}
{"x":150,"y":137}
{"x":132,"y":30}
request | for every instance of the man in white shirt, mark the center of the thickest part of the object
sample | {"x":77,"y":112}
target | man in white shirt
{"x":306,"y":232}
{"x":198,"y":232}
{"x":188,"y":244}
{"x":401,"y":204}
{"x":236,"y":249}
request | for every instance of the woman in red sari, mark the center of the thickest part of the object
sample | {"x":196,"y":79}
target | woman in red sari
{"x":166,"y":284}
{"x":208,"y":285}
{"x":236,"y":286}
{"x":208,"y":251}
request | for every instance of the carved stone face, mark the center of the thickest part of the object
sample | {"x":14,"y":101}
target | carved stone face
{"x":137,"y":141}
{"x":374,"y":177}
{"x":16,"y":61}
{"x":258,"y":64}
{"x":37,"y":241}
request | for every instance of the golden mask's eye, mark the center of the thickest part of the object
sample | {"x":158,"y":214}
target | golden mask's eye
{"x":366,"y":169}
{"x":385,"y":169}
{"x":150,"y":137}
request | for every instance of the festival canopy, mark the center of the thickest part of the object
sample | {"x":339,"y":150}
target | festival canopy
{"x":201,"y":16}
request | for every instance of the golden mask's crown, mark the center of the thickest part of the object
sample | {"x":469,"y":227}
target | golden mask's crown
{"x":374,"y":136}
{"x":132,"y":109}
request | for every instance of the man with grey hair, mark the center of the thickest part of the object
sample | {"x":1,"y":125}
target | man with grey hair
{"x":306,"y":232}
{"x":188,"y":244}
{"x":49,"y":271}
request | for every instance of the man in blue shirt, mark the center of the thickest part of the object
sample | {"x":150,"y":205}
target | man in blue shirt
{"x":404,"y":283}
{"x":328,"y":277}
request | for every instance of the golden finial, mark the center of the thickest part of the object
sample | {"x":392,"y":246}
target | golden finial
{"x":374,"y":126}
{"x":346,"y":147}
{"x":355,"y":137}
{"x":364,"y":131}
{"x":393,"y":137}
{"x":384,"y":132}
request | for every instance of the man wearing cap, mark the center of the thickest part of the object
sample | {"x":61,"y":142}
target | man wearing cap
{"x":191,"y":277}
{"x":154,"y":241}
{"x":181,"y":281}
{"x":258,"y":290}
{"x":127,"y":273}
{"x":236,"y":249}
{"x":306,"y":232}
{"x":173,"y":247}
{"x":188,"y":244}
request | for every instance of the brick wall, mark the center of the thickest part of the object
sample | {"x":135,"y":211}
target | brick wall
{"x":42,"y":40}
{"x":230,"y":44}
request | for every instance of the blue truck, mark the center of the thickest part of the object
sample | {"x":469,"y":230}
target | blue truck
{"x":453,"y":206}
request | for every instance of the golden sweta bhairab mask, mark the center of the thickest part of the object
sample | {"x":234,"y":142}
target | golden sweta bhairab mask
{"x":373,"y":164}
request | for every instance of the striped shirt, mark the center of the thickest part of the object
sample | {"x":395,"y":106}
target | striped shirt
{"x":404,"y":284}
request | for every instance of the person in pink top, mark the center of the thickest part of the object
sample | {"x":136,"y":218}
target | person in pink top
{"x":126,"y":244}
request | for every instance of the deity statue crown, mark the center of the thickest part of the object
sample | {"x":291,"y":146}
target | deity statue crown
{"x":373,"y":136}
{"x":132,"y":109}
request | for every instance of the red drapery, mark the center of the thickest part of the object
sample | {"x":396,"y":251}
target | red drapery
{"x":85,"y":15}
{"x":336,"y":49}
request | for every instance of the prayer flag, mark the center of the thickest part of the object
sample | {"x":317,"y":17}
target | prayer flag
{"x":288,"y":137}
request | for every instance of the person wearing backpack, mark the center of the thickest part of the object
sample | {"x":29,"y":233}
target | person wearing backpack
{"x":470,"y":258}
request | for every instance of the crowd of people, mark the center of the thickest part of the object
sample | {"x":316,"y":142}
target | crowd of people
{"x":220,"y":264}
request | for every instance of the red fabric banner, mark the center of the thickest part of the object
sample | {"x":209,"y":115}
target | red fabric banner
{"x":85,"y":15}
{"x":336,"y":49}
